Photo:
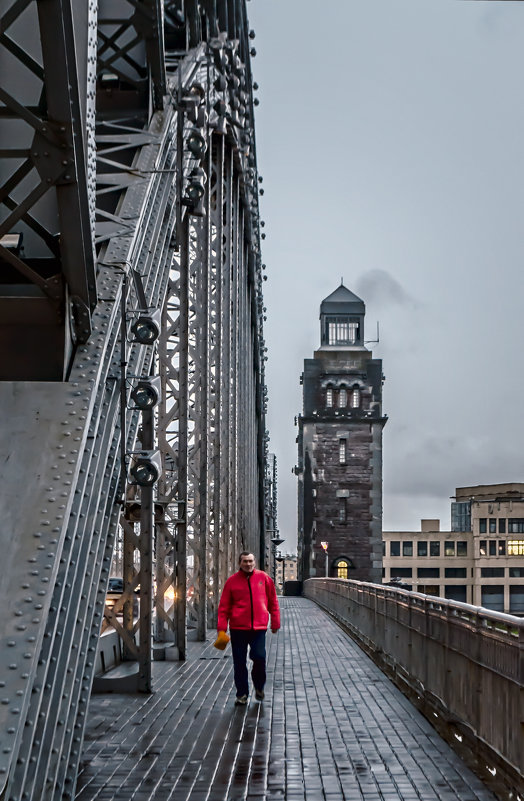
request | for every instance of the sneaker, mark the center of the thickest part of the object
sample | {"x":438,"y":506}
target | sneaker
{"x":241,"y":700}
{"x":259,"y":695}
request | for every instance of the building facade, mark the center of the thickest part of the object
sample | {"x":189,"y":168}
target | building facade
{"x":286,"y":570}
{"x":340,"y":449}
{"x":480,"y":561}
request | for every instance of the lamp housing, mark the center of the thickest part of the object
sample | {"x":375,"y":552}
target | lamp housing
{"x":146,"y":328}
{"x":196,"y":143}
{"x":145,"y":468}
{"x":146,"y":392}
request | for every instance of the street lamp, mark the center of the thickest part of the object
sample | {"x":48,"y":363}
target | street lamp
{"x":325,"y":547}
{"x":275,"y":541}
{"x":281,"y":560}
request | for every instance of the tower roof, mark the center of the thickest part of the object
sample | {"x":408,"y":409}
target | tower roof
{"x":342,"y":301}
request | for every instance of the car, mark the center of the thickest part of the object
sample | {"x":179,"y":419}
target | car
{"x":115,"y":588}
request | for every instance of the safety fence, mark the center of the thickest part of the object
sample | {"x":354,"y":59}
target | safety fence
{"x":463,"y":666}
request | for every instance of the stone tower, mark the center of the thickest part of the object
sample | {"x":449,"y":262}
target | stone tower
{"x":340,"y":449}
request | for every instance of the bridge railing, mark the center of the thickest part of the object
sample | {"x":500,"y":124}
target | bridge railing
{"x":463,"y":666}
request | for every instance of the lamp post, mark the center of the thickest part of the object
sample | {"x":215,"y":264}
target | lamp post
{"x":281,"y":560}
{"x":325,"y":547}
{"x":275,"y":541}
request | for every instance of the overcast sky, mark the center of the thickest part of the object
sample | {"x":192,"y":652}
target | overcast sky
{"x":390,"y":135}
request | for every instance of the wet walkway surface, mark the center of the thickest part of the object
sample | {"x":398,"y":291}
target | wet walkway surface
{"x":332,"y":728}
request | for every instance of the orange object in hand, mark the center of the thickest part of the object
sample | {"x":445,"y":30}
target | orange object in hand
{"x":221,"y":641}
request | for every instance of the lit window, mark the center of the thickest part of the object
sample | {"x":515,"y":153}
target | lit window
{"x":449,"y":549}
{"x":342,"y":451}
{"x":355,"y":398}
{"x":329,"y":397}
{"x":342,"y":569}
{"x":515,"y":547}
{"x":342,"y":398}
{"x":483,"y":547}
{"x":502,"y":548}
{"x":342,"y":331}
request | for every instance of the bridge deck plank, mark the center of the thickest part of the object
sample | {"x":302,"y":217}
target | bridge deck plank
{"x":332,"y":728}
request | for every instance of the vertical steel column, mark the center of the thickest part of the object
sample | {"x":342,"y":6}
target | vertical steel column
{"x":181,"y":492}
{"x":146,"y":564}
{"x":217,"y":545}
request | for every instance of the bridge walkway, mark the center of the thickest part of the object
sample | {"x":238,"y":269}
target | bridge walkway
{"x":332,"y":728}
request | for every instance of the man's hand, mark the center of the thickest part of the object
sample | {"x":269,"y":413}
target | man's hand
{"x":274,"y":631}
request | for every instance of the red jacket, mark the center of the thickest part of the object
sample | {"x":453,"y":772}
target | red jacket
{"x":246,"y":602}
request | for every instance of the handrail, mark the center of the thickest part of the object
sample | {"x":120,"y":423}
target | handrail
{"x":462,"y":665}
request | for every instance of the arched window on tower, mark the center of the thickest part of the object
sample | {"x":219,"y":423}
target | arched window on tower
{"x":342,"y":398}
{"x":355,"y":398}
{"x":329,"y":397}
{"x":342,"y":569}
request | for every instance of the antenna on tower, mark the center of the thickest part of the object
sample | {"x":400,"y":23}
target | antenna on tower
{"x":373,"y":341}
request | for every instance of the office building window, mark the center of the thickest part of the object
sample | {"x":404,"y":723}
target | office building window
{"x":434,"y":548}
{"x":342,"y":398}
{"x":483,"y":525}
{"x":394,"y":548}
{"x":407,"y":549}
{"x":461,"y":516}
{"x":342,"y":451}
{"x":400,"y":572}
{"x":483,"y":547}
{"x":516,"y":572}
{"x":422,"y":548}
{"x":493,"y":597}
{"x":449,"y":548}
{"x":342,"y":510}
{"x":492,"y":572}
{"x":462,"y":548}
{"x":329,"y":397}
{"x":492,"y":525}
{"x":492,"y":547}
{"x":515,"y":547}
{"x":502,"y":548}
{"x":516,"y":525}
{"x":455,"y":572}
{"x":502,"y":525}
{"x":516,"y":599}
{"x":455,"y":592}
{"x":428,"y":572}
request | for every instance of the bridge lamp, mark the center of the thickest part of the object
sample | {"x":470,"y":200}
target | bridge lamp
{"x":196,"y":143}
{"x":145,"y":468}
{"x":146,"y":328}
{"x":195,"y":191}
{"x":146,"y":393}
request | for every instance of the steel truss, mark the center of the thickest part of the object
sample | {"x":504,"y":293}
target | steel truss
{"x":63,"y":502}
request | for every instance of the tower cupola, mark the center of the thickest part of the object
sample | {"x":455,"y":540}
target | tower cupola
{"x":342,"y":320}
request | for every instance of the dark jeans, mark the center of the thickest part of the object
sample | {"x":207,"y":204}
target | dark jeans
{"x":256,"y":640}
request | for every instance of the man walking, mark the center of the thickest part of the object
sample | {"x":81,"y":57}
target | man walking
{"x":248,"y":599}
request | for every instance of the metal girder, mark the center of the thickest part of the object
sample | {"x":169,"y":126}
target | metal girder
{"x":68,"y":440}
{"x":47,"y":178}
{"x":130,"y":56}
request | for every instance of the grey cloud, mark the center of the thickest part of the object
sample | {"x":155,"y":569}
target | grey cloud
{"x":380,"y":288}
